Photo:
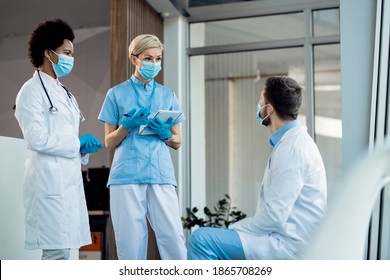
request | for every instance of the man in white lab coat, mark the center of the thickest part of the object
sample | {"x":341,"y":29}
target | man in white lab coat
{"x":292,"y":197}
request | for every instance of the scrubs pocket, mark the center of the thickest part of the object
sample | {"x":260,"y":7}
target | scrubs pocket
{"x":165,"y":164}
{"x":124,"y":164}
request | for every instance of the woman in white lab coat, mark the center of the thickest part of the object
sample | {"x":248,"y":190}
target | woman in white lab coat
{"x":55,"y":208}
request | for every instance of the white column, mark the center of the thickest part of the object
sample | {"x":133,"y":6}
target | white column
{"x":357,"y":60}
{"x":198,"y":126}
{"x":175,"y":63}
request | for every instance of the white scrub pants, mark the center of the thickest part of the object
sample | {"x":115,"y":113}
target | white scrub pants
{"x":131,"y":205}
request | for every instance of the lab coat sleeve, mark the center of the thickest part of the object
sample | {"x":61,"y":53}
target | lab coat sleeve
{"x":280,"y":193}
{"x":30,"y":112}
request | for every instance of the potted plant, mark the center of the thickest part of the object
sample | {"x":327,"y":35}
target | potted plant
{"x":221,"y":216}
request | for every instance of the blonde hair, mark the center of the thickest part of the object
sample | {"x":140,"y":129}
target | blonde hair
{"x":144,"y":42}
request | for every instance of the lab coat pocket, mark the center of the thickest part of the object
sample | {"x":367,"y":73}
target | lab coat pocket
{"x":51,"y":220}
{"x":49,"y":177}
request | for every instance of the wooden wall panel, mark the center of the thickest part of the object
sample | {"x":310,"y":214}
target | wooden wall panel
{"x":130,"y":18}
{"x":119,"y":41}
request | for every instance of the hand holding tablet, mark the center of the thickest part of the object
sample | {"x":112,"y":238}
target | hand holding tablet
{"x":163,"y":115}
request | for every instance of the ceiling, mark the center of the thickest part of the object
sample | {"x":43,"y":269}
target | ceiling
{"x":19,"y":17}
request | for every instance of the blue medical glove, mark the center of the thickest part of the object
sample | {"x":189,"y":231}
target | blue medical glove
{"x":133,"y":119}
{"x":90,"y":150}
{"x":163,"y":130}
{"x":89,"y":144}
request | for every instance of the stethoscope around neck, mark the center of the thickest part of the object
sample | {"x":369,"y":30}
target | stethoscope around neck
{"x":54,"y":110}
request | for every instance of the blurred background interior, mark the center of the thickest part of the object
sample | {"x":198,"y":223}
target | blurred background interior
{"x":218,"y":54}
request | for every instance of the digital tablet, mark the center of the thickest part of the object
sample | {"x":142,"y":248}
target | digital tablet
{"x":164,"y":115}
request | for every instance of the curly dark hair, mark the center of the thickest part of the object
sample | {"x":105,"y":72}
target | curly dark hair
{"x":285,"y":95}
{"x":48,"y":35}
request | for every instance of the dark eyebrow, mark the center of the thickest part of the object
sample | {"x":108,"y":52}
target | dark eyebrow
{"x":148,"y":55}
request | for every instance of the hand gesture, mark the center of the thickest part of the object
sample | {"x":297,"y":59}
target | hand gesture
{"x":89,"y":144}
{"x":163,"y":130}
{"x":134,"y":119}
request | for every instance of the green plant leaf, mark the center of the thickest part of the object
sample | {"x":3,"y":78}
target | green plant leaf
{"x":223,"y":215}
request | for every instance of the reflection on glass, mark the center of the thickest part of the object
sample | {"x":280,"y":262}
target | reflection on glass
{"x":328,"y":126}
{"x":236,"y":146}
{"x":247,"y":30}
{"x":326,"y":22}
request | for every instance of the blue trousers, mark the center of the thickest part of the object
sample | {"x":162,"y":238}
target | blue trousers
{"x":209,"y":243}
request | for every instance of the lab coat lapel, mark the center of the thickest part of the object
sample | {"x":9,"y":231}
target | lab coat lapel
{"x":53,"y":93}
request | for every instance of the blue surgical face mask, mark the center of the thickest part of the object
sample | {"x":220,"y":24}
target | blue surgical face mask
{"x":64,"y":65}
{"x":258,"y":115}
{"x":149,"y":70}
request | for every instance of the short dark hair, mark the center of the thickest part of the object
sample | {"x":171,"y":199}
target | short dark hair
{"x":285,"y":95}
{"x":48,"y":35}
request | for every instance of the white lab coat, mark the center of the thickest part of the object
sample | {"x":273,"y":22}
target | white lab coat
{"x":292,"y":200}
{"x":55,"y":208}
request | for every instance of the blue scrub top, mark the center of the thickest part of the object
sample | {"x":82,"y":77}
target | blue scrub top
{"x":140,"y":159}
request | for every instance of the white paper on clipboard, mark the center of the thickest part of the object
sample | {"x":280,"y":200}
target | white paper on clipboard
{"x":163,"y":115}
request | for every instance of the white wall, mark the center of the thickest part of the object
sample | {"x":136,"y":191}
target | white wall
{"x":12,"y":235}
{"x":358,"y":29}
{"x":357,"y":32}
{"x":13,"y":154}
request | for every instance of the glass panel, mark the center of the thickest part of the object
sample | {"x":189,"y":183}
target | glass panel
{"x":236,"y":147}
{"x":328,"y":128}
{"x":247,"y":30}
{"x":198,"y":3}
{"x":326,"y":22}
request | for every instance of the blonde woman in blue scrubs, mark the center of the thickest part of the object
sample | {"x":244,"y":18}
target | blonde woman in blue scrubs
{"x":142,"y":179}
